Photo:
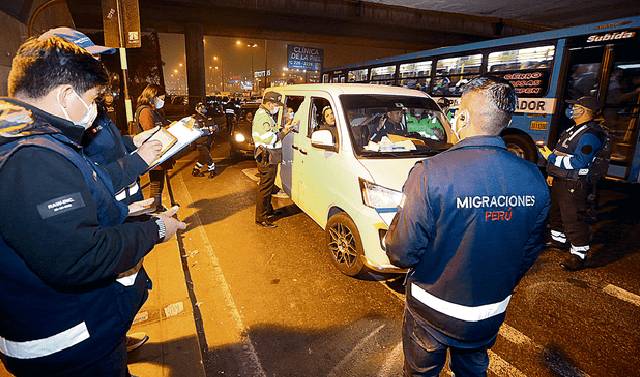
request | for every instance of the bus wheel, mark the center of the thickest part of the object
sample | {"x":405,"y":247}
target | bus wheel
{"x":343,"y":242}
{"x":521,"y":146}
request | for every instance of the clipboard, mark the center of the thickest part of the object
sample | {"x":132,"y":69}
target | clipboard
{"x":183,"y":133}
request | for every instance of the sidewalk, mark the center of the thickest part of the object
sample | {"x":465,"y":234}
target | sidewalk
{"x":167,"y":317}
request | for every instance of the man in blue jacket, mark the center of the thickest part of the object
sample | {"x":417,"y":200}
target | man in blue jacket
{"x":571,"y":172}
{"x":66,"y":243}
{"x":471,"y":224}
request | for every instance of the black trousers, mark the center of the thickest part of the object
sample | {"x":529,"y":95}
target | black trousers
{"x":425,"y":356}
{"x":265,"y":188}
{"x":204,"y":150}
{"x":569,"y":210}
{"x":156,"y":185}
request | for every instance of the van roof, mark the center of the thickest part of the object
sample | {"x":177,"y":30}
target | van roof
{"x":350,"y":88}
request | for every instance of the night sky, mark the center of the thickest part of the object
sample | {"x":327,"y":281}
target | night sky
{"x":235,"y":58}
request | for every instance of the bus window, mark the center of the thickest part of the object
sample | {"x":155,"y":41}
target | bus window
{"x":325,"y":77}
{"x":453,"y":73}
{"x":528,"y":69}
{"x":415,"y":75}
{"x":383,"y":75}
{"x":521,"y":59}
{"x":359,"y":75}
{"x":621,"y":103}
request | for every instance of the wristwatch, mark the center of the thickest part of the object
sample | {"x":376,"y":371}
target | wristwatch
{"x":162,"y":229}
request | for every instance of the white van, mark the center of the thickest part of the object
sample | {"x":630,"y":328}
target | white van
{"x":352,"y":186}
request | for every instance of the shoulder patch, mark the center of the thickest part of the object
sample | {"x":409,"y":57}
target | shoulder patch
{"x":60,"y":205}
{"x":267,"y":126}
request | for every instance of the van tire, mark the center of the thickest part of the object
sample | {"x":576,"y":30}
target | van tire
{"x":344,"y":244}
{"x":521,"y":146}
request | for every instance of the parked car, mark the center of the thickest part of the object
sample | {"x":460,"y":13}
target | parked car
{"x":241,"y":139}
{"x":349,"y":179}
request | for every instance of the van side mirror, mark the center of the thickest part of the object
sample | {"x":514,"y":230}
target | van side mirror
{"x":323,"y":139}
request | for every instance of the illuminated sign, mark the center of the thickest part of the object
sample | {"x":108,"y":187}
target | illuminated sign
{"x":528,"y":83}
{"x":611,"y":36}
{"x":309,"y":58}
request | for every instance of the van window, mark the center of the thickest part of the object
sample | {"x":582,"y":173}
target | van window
{"x":395,"y":126}
{"x":323,"y":117}
{"x":291,"y":106}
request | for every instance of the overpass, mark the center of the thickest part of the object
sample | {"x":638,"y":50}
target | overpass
{"x":320,"y":21}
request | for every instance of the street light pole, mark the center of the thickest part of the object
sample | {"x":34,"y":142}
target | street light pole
{"x":265,"y":64}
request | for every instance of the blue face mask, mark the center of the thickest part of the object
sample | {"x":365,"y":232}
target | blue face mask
{"x":568,"y":112}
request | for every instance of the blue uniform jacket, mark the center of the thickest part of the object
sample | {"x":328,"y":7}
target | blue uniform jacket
{"x":575,"y":151}
{"x":104,"y":145}
{"x":470,"y":225}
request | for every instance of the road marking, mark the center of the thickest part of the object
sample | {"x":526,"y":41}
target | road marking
{"x":622,"y":294}
{"x":515,"y":336}
{"x":354,"y":351}
{"x":251,"y":174}
{"x":389,"y":367}
{"x":249,"y":363}
{"x":502,"y":368}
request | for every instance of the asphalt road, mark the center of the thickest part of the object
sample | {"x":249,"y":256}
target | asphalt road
{"x":269,"y":303}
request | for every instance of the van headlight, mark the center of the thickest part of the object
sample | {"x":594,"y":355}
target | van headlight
{"x":239,"y":137}
{"x":378,"y":197}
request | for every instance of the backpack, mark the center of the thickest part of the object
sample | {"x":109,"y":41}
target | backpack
{"x":600,"y":164}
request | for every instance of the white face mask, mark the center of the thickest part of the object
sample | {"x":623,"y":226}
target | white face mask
{"x":291,"y":115}
{"x":275,"y":110}
{"x":159,"y":103}
{"x":459,"y":122}
{"x":89,"y":116}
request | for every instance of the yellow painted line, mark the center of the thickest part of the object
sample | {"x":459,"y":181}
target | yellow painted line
{"x":622,"y":294}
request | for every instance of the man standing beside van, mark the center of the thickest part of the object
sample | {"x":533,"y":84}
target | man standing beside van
{"x":470,"y":225}
{"x":267,"y":137}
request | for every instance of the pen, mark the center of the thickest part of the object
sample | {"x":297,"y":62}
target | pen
{"x":154,"y":132}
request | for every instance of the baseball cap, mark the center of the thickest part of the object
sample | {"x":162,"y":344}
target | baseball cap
{"x":77,"y":38}
{"x":273,"y":97}
{"x":586,"y":101}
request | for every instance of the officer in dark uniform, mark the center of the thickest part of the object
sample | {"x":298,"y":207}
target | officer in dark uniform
{"x":204,"y":143}
{"x":470,"y":225}
{"x":66,"y":243}
{"x":569,"y":167}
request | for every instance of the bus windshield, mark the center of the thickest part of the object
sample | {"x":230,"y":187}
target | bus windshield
{"x":395,"y":126}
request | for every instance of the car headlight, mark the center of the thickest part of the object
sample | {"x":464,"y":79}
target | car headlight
{"x":239,"y":137}
{"x":378,"y":197}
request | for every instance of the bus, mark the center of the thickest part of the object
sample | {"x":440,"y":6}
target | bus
{"x":600,"y":59}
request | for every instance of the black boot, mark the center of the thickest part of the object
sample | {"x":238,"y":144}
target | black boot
{"x":196,"y":172}
{"x":574,"y":263}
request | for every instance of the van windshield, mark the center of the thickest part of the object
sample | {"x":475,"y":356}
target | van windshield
{"x":395,"y":126}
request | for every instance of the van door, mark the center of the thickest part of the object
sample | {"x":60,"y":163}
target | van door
{"x":293,"y":104}
{"x":297,"y":158}
{"x":319,"y":166}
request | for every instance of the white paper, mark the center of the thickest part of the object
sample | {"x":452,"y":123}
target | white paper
{"x":186,"y":134}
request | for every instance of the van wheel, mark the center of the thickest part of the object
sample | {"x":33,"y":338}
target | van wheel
{"x":345,"y":247}
{"x":521,"y":146}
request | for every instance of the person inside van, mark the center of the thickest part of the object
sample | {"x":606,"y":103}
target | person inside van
{"x":329,"y":123}
{"x":389,"y":123}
